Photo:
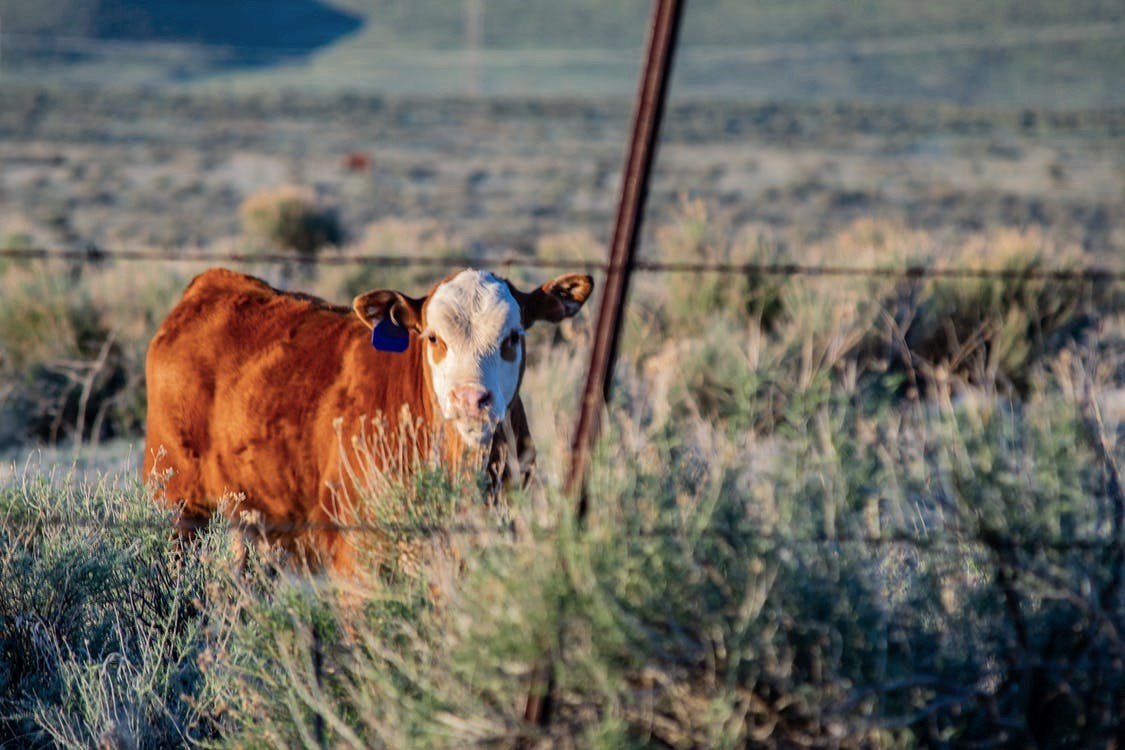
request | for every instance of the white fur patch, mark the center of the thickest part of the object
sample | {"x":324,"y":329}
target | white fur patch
{"x":473,"y":313}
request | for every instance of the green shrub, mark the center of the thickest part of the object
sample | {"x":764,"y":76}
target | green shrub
{"x":994,"y":329}
{"x":57,"y":360}
{"x":883,"y":330}
{"x":987,"y":331}
{"x":290,"y":218}
{"x":930,"y":573}
{"x":780,"y":549}
{"x":727,"y":595}
{"x":72,"y":346}
{"x":99,"y":630}
{"x":682,"y":300}
{"x":312,"y":662}
{"x":14,"y":241}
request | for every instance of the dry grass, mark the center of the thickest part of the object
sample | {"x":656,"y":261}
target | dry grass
{"x":741,"y":579}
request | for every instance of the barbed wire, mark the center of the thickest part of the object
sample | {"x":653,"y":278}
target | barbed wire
{"x":944,"y":540}
{"x":93,"y":254}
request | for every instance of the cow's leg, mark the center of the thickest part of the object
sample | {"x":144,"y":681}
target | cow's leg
{"x":188,"y":525}
{"x":174,"y":481}
{"x":511,"y":459}
{"x":328,"y":538}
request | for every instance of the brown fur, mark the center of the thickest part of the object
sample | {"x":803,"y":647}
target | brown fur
{"x":246,"y":388}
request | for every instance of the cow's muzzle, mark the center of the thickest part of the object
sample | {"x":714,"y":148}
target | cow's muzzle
{"x":471,"y":411}
{"x":470,"y":402}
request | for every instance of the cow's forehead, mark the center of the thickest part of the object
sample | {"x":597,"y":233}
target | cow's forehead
{"x":472,"y":308}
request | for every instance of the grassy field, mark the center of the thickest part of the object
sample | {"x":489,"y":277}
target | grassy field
{"x":168,"y":171}
{"x":861,"y":511}
{"x":874,"y":512}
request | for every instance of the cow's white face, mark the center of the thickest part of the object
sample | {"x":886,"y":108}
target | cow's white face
{"x":473,"y":341}
{"x":471,"y":330}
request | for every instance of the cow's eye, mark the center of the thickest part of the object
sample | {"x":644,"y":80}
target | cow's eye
{"x":436,"y":348}
{"x":509,"y":348}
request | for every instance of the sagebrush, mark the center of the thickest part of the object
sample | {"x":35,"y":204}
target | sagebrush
{"x":806,"y":527}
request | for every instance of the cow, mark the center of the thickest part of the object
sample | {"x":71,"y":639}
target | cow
{"x":264,"y":401}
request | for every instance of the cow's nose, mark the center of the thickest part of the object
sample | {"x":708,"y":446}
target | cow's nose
{"x":471,"y":400}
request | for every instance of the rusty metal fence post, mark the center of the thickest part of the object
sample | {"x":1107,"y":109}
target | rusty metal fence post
{"x":630,"y":214}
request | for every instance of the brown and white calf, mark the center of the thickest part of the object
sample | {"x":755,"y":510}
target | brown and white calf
{"x":272,"y":397}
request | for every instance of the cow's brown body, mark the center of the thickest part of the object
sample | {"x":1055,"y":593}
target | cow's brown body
{"x":255,"y":396}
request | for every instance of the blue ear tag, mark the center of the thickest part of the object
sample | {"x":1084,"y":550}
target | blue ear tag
{"x":388,"y":337}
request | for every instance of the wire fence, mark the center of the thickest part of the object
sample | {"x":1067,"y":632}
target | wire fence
{"x":770,"y":539}
{"x":944,"y":540}
{"x":950,"y":540}
{"x":93,"y":254}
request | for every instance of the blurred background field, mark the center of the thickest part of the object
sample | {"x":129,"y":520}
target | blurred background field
{"x":864,"y":510}
{"x":1035,"y":53}
{"x":800,"y":118}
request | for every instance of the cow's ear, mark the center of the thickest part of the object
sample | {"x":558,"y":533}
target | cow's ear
{"x":557,"y":299}
{"x":374,"y":307}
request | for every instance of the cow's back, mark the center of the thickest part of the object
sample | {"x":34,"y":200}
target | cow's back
{"x":245,"y":387}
